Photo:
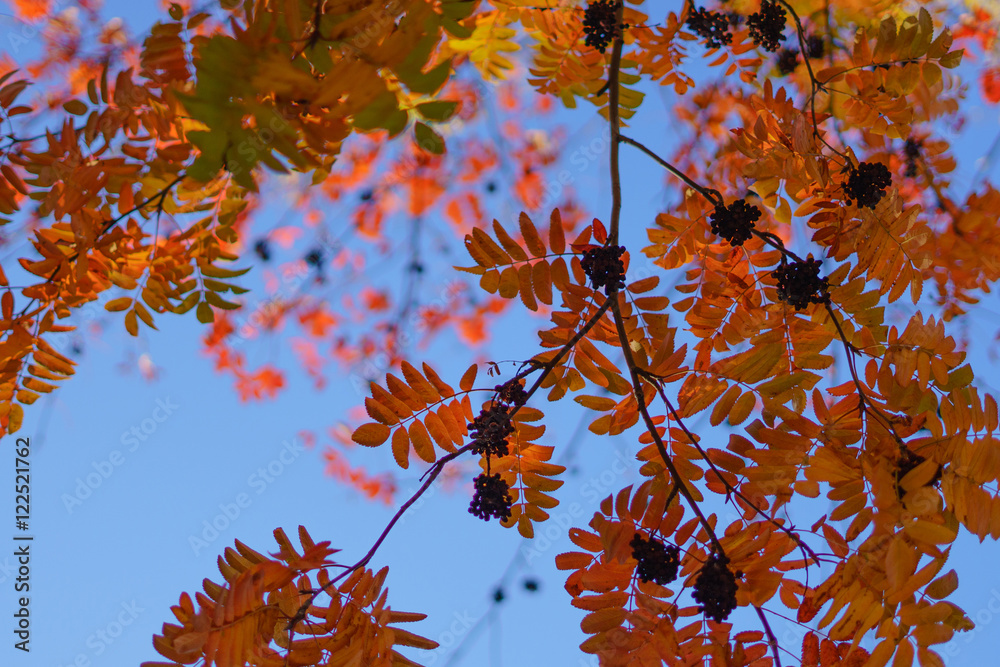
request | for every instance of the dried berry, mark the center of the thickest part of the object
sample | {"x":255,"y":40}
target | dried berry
{"x":867,"y":183}
{"x":799,"y":283}
{"x":491,"y":498}
{"x":815,"y":46}
{"x":711,"y":26}
{"x":787,"y":60}
{"x":767,"y":25}
{"x":657,"y":562}
{"x":604,"y":267}
{"x":490,"y":429}
{"x":735,"y":222}
{"x":600,"y":23}
{"x":715,"y":588}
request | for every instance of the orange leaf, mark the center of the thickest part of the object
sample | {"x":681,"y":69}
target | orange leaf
{"x":371,"y":435}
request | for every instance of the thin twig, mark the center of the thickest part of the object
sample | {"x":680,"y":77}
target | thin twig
{"x":713,"y":196}
{"x":438,"y":465}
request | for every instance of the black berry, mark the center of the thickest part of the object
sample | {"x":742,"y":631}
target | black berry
{"x":490,"y":429}
{"x":767,"y":25}
{"x":491,"y":498}
{"x":498,"y":595}
{"x":711,"y":26}
{"x":911,"y":151}
{"x":262,"y":249}
{"x":530,"y":585}
{"x":511,"y":393}
{"x":600,"y":23}
{"x":735,"y":222}
{"x":314,"y":257}
{"x":814,"y":46}
{"x":604,"y":267}
{"x":867,"y":183}
{"x":366,"y":195}
{"x":787,"y":60}
{"x":799,"y":283}
{"x":657,"y":562}
{"x":715,"y":588}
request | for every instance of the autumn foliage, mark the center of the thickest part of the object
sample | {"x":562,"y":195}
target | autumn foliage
{"x":817,"y":129}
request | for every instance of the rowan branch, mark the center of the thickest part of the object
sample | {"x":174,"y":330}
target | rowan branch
{"x":616,"y":185}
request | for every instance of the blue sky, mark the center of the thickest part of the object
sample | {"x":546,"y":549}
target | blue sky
{"x":158,"y":470}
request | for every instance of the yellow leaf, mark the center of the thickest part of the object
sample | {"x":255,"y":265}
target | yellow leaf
{"x":131,"y":323}
{"x":932,"y":533}
{"x":119,"y":304}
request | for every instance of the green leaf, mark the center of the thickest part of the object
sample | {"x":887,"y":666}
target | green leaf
{"x":428,"y":139}
{"x":437,"y":111}
{"x":383,"y":112}
{"x":205,"y":314}
{"x":187,"y":304}
{"x":213,"y":271}
{"x":219,"y":302}
{"x":960,"y":377}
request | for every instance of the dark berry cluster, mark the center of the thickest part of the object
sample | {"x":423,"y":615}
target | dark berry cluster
{"x":799,"y":283}
{"x":600,"y":23}
{"x":711,"y":26}
{"x":911,"y":151}
{"x":511,"y":393}
{"x":867,"y":183}
{"x":604,"y":266}
{"x":657,"y":561}
{"x":814,"y":46}
{"x":715,"y":588}
{"x":490,"y":429}
{"x":735,"y":222}
{"x":491,"y":498}
{"x":767,"y":25}
{"x":787,"y":60}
